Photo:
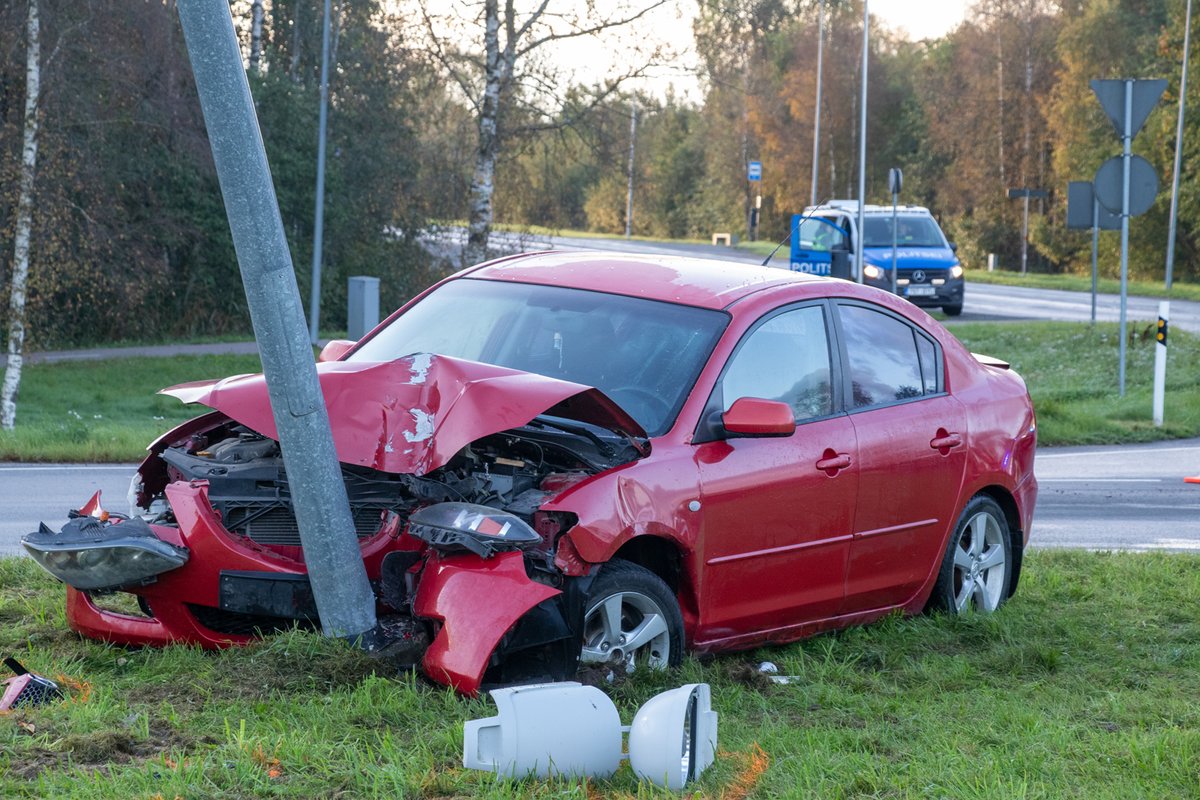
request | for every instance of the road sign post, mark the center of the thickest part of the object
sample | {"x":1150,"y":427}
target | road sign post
{"x":1084,"y":211}
{"x":754,"y":176}
{"x":895,"y":183}
{"x":1127,"y":102}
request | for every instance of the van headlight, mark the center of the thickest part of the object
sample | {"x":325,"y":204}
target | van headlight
{"x":956,"y":271}
{"x":873,"y":272}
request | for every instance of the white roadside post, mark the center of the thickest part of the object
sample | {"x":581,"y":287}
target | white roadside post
{"x":1160,"y":361}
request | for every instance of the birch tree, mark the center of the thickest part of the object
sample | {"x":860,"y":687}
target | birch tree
{"x":510,"y":73}
{"x":20,"y":273}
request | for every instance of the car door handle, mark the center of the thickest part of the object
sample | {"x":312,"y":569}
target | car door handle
{"x":832,"y":462}
{"x":944,"y":441}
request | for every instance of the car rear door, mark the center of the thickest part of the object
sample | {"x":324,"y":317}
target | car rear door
{"x":912,"y":445}
{"x":778,"y":512}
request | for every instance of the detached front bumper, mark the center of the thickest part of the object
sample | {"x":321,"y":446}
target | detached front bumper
{"x":182,"y":602}
{"x":227,"y":590}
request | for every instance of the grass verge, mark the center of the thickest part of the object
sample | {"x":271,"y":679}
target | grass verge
{"x":105,"y":410}
{"x":1071,"y":371}
{"x":1080,"y":687}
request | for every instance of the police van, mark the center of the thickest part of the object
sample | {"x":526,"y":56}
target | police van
{"x":928,"y":272}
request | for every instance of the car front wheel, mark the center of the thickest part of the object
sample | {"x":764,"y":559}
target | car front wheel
{"x":977,"y":567}
{"x":631,"y":620}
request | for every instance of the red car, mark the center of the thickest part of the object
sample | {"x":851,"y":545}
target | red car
{"x":564,"y":459}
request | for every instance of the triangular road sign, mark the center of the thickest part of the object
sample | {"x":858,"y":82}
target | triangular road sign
{"x":1111,"y":94}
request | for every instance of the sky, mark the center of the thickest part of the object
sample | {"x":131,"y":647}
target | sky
{"x":921,"y":19}
{"x":589,"y":60}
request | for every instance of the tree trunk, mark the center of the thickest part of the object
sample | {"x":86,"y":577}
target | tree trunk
{"x":20,"y":275}
{"x":256,"y":21}
{"x":483,"y":181}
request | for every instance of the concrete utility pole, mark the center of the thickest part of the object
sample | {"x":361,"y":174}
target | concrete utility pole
{"x":862,"y":149}
{"x":343,"y":595}
{"x":816,"y":159}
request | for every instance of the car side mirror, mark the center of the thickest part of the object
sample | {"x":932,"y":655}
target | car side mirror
{"x":953,"y":247}
{"x":334,"y":350}
{"x":754,"y":417}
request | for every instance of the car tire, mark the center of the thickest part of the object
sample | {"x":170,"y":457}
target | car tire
{"x":631,"y":620}
{"x":977,"y":567}
{"x":952,"y":310}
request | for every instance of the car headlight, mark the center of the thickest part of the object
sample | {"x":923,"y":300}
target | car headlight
{"x":89,"y":554}
{"x":873,"y":272}
{"x":956,"y":271}
{"x":481,"y":530}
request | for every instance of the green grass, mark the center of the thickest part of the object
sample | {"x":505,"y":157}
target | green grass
{"x":105,"y":410}
{"x":1071,"y":371}
{"x":1083,"y":686}
{"x":1083,"y":283}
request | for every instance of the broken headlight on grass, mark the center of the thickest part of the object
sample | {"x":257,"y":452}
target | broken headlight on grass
{"x":482,"y":530}
{"x":90,"y":554}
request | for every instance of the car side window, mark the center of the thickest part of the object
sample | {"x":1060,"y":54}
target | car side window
{"x":889,"y":360}
{"x":786,"y":359}
{"x":928,"y":354}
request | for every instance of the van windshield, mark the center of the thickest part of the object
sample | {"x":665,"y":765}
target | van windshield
{"x":911,"y":231}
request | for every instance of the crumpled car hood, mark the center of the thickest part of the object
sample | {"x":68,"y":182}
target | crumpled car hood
{"x":412,"y":415}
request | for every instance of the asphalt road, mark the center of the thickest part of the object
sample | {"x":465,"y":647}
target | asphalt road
{"x":1106,"y":498}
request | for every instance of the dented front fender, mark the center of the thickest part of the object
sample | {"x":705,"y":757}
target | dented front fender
{"x":476,"y":601}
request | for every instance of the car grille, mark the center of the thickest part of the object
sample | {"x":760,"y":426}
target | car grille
{"x":234,"y":623}
{"x":276,"y":525}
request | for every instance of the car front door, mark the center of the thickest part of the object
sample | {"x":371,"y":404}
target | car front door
{"x":912,"y":445}
{"x":777,"y":512}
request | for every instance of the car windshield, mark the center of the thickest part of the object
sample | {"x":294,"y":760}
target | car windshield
{"x":643,"y":354}
{"x":911,"y":231}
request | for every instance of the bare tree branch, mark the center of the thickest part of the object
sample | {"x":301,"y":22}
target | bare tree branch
{"x":588,"y":31}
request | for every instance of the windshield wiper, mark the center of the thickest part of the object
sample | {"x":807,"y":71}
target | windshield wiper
{"x":604,"y":447}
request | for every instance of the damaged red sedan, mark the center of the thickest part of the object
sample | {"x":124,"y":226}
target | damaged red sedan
{"x":560,"y":460}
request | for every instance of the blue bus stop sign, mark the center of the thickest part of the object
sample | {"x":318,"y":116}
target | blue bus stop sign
{"x":754,"y":171}
{"x":813,"y":241}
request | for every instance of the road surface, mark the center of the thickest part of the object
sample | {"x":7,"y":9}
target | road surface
{"x":1105,"y":498}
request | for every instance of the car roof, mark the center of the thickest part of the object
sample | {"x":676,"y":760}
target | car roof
{"x":707,"y":283}
{"x":869,"y":208}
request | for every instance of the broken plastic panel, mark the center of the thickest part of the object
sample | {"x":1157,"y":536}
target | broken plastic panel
{"x":564,"y":729}
{"x":571,"y":730}
{"x":89,"y":554}
{"x":673,"y":737}
{"x":481,"y":530}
